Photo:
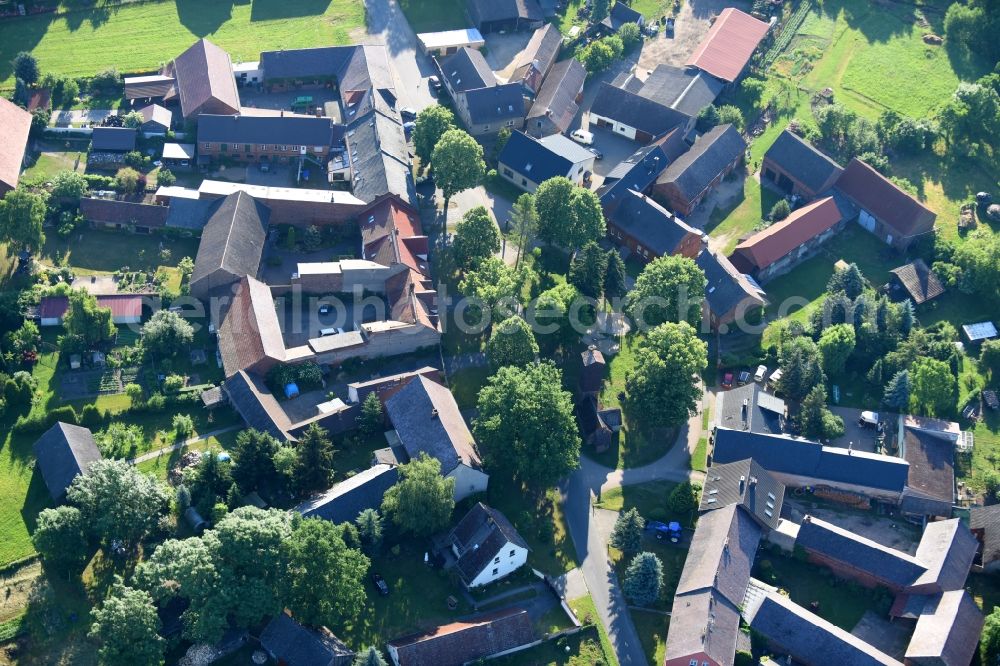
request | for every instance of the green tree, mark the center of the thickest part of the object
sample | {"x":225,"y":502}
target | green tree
{"x":476,"y":238}
{"x":524,"y":223}
{"x":799,"y":361}
{"x":669,"y":289}
{"x":627,"y":533}
{"x":369,"y":524}
{"x":631,"y":36}
{"x":133,"y":119}
{"x":118,"y":502}
{"x":708,"y":118}
{"x":836,"y":344}
{"x":61,"y":539}
{"x":588,"y":269}
{"x":253,"y":459}
{"x":525,"y":424}
{"x":165,"y":178}
{"x":683,"y":499}
{"x":495,"y":284}
{"x":643,"y":579}
{"x":26,"y":67}
{"x":369,"y":657}
{"x":552,"y":314}
{"x":22,"y":214}
{"x":989,"y":641}
{"x":816,"y":421}
{"x":848,"y":280}
{"x":989,"y":358}
{"x":779,"y":211}
{"x":458,"y":163}
{"x":371,"y":418}
{"x":933,"y":387}
{"x":897,"y":391}
{"x":731,"y":115}
{"x":422,"y":501}
{"x":69,"y":186}
{"x":614,"y":279}
{"x":431,"y":125}
{"x":127,"y":627}
{"x":127,"y":180}
{"x":314,"y":460}
{"x":979,"y":259}
{"x":511,"y":343}
{"x":166,"y":334}
{"x":183,"y":426}
{"x":599,"y":10}
{"x":84,"y":318}
{"x":663,"y":388}
{"x":568,"y":215}
{"x":120,"y":440}
{"x":324,"y":577}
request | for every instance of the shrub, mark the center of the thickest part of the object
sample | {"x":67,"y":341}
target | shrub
{"x":166,"y":178}
{"x":91,"y":417}
{"x":156,"y":402}
{"x":183,"y":426}
{"x":173,"y":384}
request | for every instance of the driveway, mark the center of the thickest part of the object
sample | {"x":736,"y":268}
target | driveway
{"x":388,"y":25}
{"x":691,"y":26}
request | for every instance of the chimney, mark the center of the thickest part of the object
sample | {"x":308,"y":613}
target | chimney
{"x":850,"y":448}
{"x":743,"y":483}
{"x":434,"y":413}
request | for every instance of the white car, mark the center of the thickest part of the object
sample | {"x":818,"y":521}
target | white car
{"x":583,"y":136}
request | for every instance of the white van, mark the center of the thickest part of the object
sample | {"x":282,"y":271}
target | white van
{"x":760,"y":374}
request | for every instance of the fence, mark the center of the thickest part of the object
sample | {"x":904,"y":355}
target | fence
{"x":787,"y":33}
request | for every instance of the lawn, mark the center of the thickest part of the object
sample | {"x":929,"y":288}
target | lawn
{"x":466,"y":383}
{"x":160,"y":465}
{"x":649,"y":498}
{"x":540,"y":520}
{"x":580,"y":649}
{"x":98,"y":251}
{"x":51,"y":162}
{"x":729,"y":225}
{"x":141,"y":37}
{"x":586,"y":612}
{"x":652,"y":629}
{"x":434,"y":15}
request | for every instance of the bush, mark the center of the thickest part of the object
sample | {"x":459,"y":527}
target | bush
{"x":183,"y":426}
{"x":91,"y":417}
{"x":173,"y":384}
{"x":41,"y":421}
{"x":166,"y":178}
{"x":156,"y":403}
{"x":780,"y":211}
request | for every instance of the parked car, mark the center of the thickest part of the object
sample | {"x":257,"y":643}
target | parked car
{"x":408,"y":112}
{"x":727,"y":381}
{"x":744,"y":377}
{"x":774,"y":379}
{"x":664,"y":531}
{"x":435,"y":83}
{"x":597,"y":154}
{"x":380,"y":584}
{"x":408,"y":127}
{"x":583,"y":136}
{"x":323,"y":332}
{"x":760,"y":374}
{"x":868,"y":420}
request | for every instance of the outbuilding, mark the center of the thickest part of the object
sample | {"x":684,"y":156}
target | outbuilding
{"x":448,"y":41}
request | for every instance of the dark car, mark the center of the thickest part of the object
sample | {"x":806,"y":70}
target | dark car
{"x":408,"y":113}
{"x":727,"y":381}
{"x":408,"y":127}
{"x":744,"y":377}
{"x":597,"y":154}
{"x":435,"y":83}
{"x":662,"y":531}
{"x":380,"y":584}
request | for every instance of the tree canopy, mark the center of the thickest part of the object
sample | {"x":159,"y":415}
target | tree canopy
{"x":933,"y":387}
{"x":588,"y":270}
{"x":61,"y":538}
{"x":422,"y":501}
{"x":314,"y":460}
{"x":568,"y":215}
{"x":643,"y":579}
{"x":816,"y":420}
{"x":252,"y":457}
{"x":799,"y":361}
{"x":835,"y":346}
{"x":22,"y":214}
{"x":127,"y":627}
{"x":627,"y":533}
{"x":669,"y":289}
{"x":495,"y":284}
{"x":476,"y":238}
{"x":662,"y":389}
{"x":86,"y":320}
{"x":167,"y":334}
{"x":458,"y":163}
{"x":511,"y":343}
{"x":430,"y":126}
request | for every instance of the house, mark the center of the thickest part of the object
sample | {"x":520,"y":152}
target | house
{"x":232,"y":242}
{"x":683,"y":89}
{"x":265,"y":138}
{"x":62,"y":453}
{"x":535,"y":62}
{"x":427,"y":420}
{"x":729,"y":294}
{"x":749,"y":408}
{"x":796,"y":167}
{"x":593,"y":370}
{"x":15,"y":124}
{"x":391,"y":234}
{"x":464,"y":641}
{"x":448,"y":41}
{"x":125,"y":308}
{"x":984,"y":521}
{"x":620,"y":14}
{"x":358,"y":391}
{"x":156,"y":120}
{"x":528,"y":162}
{"x":918,"y":281}
{"x":785,"y":244}
{"x":504,"y":15}
{"x":747,"y":484}
{"x":558,"y":100}
{"x":640,"y":170}
{"x":634,"y":117}
{"x":343,"y":502}
{"x":114,"y":214}
{"x":113,"y":139}
{"x":204,"y":81}
{"x":648,"y":230}
{"x":293,"y":644}
{"x":690,"y":178}
{"x":598,"y":426}
{"x":884,"y":209}
{"x":484,"y":105}
{"x":930,"y":452}
{"x":373,"y":158}
{"x":486,"y":546}
{"x":729,"y":45}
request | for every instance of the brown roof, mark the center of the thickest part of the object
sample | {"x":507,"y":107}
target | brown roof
{"x":250,"y":335}
{"x":919,"y":281}
{"x":729,"y":44}
{"x":467,"y":640}
{"x":770,"y":244}
{"x":205,"y":80}
{"x":883,"y":199}
{"x":15,"y":123}
{"x":109,"y":211}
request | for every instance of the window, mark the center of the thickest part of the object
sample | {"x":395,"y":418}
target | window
{"x":224,"y":147}
{"x":512,"y":551}
{"x":208,"y":146}
{"x":508,"y":173}
{"x":524,"y":182}
{"x":284,"y":148}
{"x":297,"y":148}
{"x":496,"y":571}
{"x":248,"y":148}
{"x":693,"y":662}
{"x":496,"y":560}
{"x":510,"y":123}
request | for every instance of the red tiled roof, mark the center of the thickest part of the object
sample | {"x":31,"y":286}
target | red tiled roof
{"x":729,"y":44}
{"x":466,"y":640}
{"x":15,"y":123}
{"x":767,"y":246}
{"x":391,"y":234}
{"x":882,"y":198}
{"x":121,"y":305}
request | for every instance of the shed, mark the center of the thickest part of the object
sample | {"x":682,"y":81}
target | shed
{"x":178,"y":154}
{"x":448,"y":41}
{"x":113,"y":139}
{"x":919,"y":281}
{"x":156,"y":120}
{"x":63,"y":452}
{"x":984,"y":330}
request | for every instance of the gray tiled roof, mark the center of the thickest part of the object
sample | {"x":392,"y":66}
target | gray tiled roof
{"x":685,"y":89}
{"x":987,"y":519}
{"x":649,"y":223}
{"x":947,"y":631}
{"x":537,"y":58}
{"x":711,"y":153}
{"x":530,"y":158}
{"x":111,"y":211}
{"x":63,"y":452}
{"x":931,"y":481}
{"x":557,"y":97}
{"x":283,"y":130}
{"x":703,"y":622}
{"x":495,"y":104}
{"x":115,"y":139}
{"x":256,"y":405}
{"x":747,"y":484}
{"x":466,"y":69}
{"x":803,"y":160}
{"x":379,"y":157}
{"x":343,"y":502}
{"x":947,"y":549}
{"x":232,"y":239}
{"x":480,"y":536}
{"x":295,"y":645}
{"x":314,"y":63}
{"x":721,"y":554}
{"x":619,"y":15}
{"x":726,"y":287}
{"x":499,"y":10}
{"x":637,"y":172}
{"x":764,"y":413}
{"x":634,"y":111}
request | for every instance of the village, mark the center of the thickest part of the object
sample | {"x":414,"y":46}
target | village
{"x":499,"y":331}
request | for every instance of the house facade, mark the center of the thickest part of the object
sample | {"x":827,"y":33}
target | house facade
{"x":794,"y":166}
{"x":484,"y":104}
{"x":527,"y":162}
{"x":696,"y":173}
{"x":265,"y":138}
{"x":649,"y":230}
{"x":486,"y":547}
{"x":634,"y":117}
{"x":558,"y":100}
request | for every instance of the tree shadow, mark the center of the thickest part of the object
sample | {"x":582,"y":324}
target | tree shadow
{"x":204,"y":18}
{"x":876,"y":23}
{"x":21,"y":34}
{"x":270,"y":10}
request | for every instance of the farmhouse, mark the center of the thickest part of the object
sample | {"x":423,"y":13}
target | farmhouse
{"x":683,"y":89}
{"x":634,"y":117}
{"x":358,"y":391}
{"x":884,"y":209}
{"x":558,"y":100}
{"x":448,"y":41}
{"x":204,"y":81}
{"x":689,"y":179}
{"x":729,"y":295}
{"x":984,"y":521}
{"x":62,"y":453}
{"x":114,"y":214}
{"x":343,"y":502}
{"x":465,"y":641}
{"x":156,"y":120}
{"x":15,"y":123}
{"x":125,"y":308}
{"x":640,"y":170}
{"x":648,"y":230}
{"x":484,"y":105}
{"x":292,"y":644}
{"x":232,"y":242}
{"x":749,"y":408}
{"x":528,"y":162}
{"x":265,"y":138}
{"x":729,"y":45}
{"x":113,"y":139}
{"x":486,"y":546}
{"x":747,"y":484}
{"x":535,"y":62}
{"x":504,"y":15}
{"x":796,"y":167}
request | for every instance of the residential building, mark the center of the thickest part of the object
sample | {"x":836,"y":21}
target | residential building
{"x":729,"y":295}
{"x":125,"y":308}
{"x":61,"y":454}
{"x":484,"y":105}
{"x":486,"y":547}
{"x":293,"y":644}
{"x":527,"y":162}
{"x":535,"y":62}
{"x":750,"y":409}
{"x":231,"y":246}
{"x":785,"y":244}
{"x":373,"y":159}
{"x":649,"y":230}
{"x":465,"y":641}
{"x":916,"y":281}
{"x":358,"y":391}
{"x":156,"y":120}
{"x":797,"y":167}
{"x":391,"y":234}
{"x":693,"y":175}
{"x":619,"y":14}
{"x":204,"y":81}
{"x":984,"y":521}
{"x":634,"y":117}
{"x":114,"y":214}
{"x":929,"y":448}
{"x":947,"y":631}
{"x":447,"y":42}
{"x":683,"y":89}
{"x":558,"y":100}
{"x":593,"y":369}
{"x":729,"y":45}
{"x":640,"y":170}
{"x":427,"y":420}
{"x":113,"y":139}
{"x":504,"y":15}
{"x":266,"y":138}
{"x":746,"y":484}
{"x":344,"y":501}
{"x":15,"y":124}
{"x":884,"y":209}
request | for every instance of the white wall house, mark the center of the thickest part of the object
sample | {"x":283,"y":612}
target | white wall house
{"x":481,"y":557}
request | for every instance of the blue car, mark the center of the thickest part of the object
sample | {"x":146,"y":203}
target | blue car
{"x":662,"y":531}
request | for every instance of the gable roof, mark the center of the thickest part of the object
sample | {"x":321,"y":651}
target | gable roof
{"x":309,"y":63}
{"x":149,"y":87}
{"x":122,"y":306}
{"x":480,"y":536}
{"x":920,"y":282}
{"x":15,"y":123}
{"x":884,"y":199}
{"x":932,"y":472}
{"x":344,"y":501}
{"x":726,"y":288}
{"x":295,"y":645}
{"x":250,"y":334}
{"x":635,"y":111}
{"x":531,"y":158}
{"x":747,"y":484}
{"x":750,"y":408}
{"x":290,"y":130}
{"x":535,"y":61}
{"x":804,"y":161}
{"x":649,"y":223}
{"x":154,"y":113}
{"x":947,"y":631}
{"x":376,"y":146}
{"x":729,"y":44}
{"x":113,"y":138}
{"x":256,"y":405}
{"x":465,"y":641}
{"x":557,"y":97}
{"x":721,"y":554}
{"x":466,"y":69}
{"x":619,"y":14}
{"x":703,"y":622}
{"x":947,"y":548}
{"x":684,"y":89}
{"x":204,"y":75}
{"x":774,"y":242}
{"x":63,"y":452}
{"x":391,"y":234}
{"x":483,"y":11}
{"x":111,"y":211}
{"x":987,"y":519}
{"x":641,"y":169}
{"x":711,"y":154}
{"x":496,"y":103}
{"x":233,"y":238}
{"x":426,"y":418}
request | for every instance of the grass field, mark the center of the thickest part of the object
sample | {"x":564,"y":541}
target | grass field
{"x":585,"y":610}
{"x":140,"y":37}
{"x":434,"y":15}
